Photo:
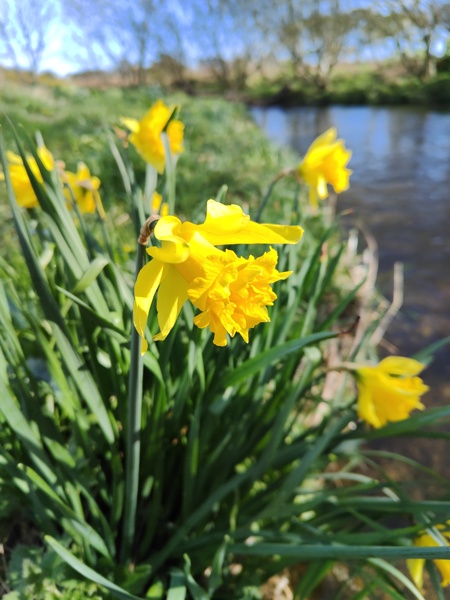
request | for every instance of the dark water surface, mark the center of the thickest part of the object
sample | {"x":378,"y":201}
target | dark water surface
{"x":400,"y":189}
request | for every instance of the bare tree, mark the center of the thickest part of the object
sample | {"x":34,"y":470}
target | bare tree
{"x":231,"y":38}
{"x":117,"y":35}
{"x":327,"y":33}
{"x":412,"y":24}
{"x":24,"y":30}
{"x":291,"y":29}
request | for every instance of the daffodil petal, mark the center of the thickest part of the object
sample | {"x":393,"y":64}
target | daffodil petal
{"x":366,"y":407}
{"x":130,"y":123}
{"x":147,"y":283}
{"x":324,"y":139}
{"x":46,"y":157}
{"x":227,"y":224}
{"x":172,"y":294}
{"x":175,"y":249}
{"x":322,"y":190}
{"x":415,"y":568}
{"x":401,"y":365}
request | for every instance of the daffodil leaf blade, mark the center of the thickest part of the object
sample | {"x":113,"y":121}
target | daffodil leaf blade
{"x":425,"y":356}
{"x":393,"y":571}
{"x":177,"y":586}
{"x":84,"y":381}
{"x":87,"y":572}
{"x":91,"y":274}
{"x":268,"y":357}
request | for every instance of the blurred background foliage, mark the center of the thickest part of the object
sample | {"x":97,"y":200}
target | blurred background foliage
{"x":287,"y":51}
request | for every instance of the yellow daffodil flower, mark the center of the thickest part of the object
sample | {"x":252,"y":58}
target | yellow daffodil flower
{"x":84,"y":188}
{"x":23,"y":190}
{"x":389,"y":391}
{"x":146,"y":134}
{"x":159,"y":207}
{"x":325,"y":162}
{"x":416,"y":565}
{"x":232,"y":293}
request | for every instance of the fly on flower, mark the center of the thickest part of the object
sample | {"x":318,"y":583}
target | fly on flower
{"x":232,"y":293}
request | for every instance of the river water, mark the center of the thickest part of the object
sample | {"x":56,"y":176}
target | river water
{"x":400,"y":189}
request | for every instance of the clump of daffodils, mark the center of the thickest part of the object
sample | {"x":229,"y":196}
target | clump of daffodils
{"x":325,"y":163}
{"x":80,"y":187}
{"x":232,"y":293}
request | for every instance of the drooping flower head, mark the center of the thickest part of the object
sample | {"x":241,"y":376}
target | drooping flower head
{"x":232,"y":293}
{"x":23,"y":190}
{"x":84,"y":188}
{"x":416,"y":565}
{"x":389,"y":391}
{"x":146,"y":135}
{"x":325,"y":162}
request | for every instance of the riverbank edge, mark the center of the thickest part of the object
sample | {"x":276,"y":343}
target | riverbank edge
{"x":361,"y":90}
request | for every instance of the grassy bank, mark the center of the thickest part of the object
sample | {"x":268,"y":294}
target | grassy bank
{"x":376,"y":84}
{"x":222,"y":145}
{"x":363,"y":87}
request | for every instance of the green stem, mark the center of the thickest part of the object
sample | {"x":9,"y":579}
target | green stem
{"x":268,"y":194}
{"x":133,"y":431}
{"x":151,"y":178}
{"x":170,"y":162}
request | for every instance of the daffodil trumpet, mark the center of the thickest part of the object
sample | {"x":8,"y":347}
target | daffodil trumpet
{"x":232,"y":293}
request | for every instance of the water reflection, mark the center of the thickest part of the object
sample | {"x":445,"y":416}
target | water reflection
{"x":401,"y":189}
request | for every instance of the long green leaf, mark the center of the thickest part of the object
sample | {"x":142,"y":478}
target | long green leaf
{"x":40,"y":283}
{"x":87,"y":572}
{"x":382,"y":564}
{"x":264,"y":359}
{"x":94,"y":270}
{"x":84,"y":529}
{"x":84,"y":382}
{"x":177,"y":586}
{"x":20,"y":426}
{"x":339,"y":552}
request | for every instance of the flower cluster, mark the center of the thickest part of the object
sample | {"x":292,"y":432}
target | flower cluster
{"x":80,"y":187}
{"x":232,"y":293}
